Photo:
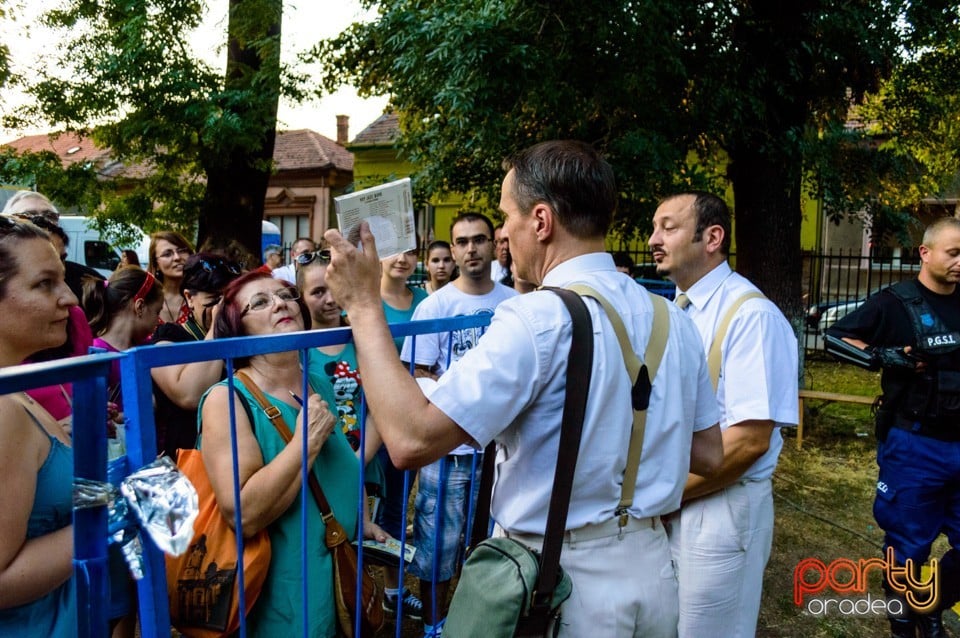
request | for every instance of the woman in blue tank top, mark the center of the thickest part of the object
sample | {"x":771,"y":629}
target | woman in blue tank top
{"x":36,"y":462}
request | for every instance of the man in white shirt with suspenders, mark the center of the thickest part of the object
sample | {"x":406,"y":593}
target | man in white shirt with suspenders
{"x":722,"y":535}
{"x":558,"y":199}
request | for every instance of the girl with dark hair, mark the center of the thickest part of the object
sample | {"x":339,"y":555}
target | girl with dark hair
{"x":269,"y":469}
{"x":337,"y":366}
{"x":128,"y":258}
{"x":36,"y":462}
{"x":58,"y":399}
{"x":177,"y":389}
{"x":123,"y":313}
{"x":440,"y":267}
{"x":169,"y":251}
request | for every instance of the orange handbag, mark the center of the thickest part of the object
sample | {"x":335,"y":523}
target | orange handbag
{"x":202,"y":582}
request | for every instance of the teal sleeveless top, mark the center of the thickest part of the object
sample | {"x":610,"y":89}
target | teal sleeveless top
{"x":279,"y":609}
{"x":55,"y":614}
{"x":395,"y":315}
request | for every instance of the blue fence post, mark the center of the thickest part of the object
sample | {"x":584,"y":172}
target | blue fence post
{"x":137,"y":385}
{"x":141,"y":437}
{"x":90,"y":524}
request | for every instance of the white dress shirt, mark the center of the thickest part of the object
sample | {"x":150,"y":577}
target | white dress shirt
{"x":512,"y":386}
{"x":437,"y":350}
{"x":758,"y":375}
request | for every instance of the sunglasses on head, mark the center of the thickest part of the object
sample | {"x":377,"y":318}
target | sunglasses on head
{"x":9,"y":223}
{"x":47,"y":214}
{"x":213,"y":265}
{"x":309,"y":257}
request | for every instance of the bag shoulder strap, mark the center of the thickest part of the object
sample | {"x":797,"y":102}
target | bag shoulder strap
{"x":714,"y":356}
{"x":283,"y":428}
{"x":579,"y":371}
{"x":642,"y":375}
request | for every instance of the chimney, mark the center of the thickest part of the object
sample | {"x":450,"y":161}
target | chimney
{"x":343,"y":129}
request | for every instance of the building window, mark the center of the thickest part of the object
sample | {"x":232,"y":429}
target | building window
{"x":291,"y":227}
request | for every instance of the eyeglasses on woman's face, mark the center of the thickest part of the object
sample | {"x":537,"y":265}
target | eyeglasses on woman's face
{"x":170,"y":253}
{"x":264,"y":300}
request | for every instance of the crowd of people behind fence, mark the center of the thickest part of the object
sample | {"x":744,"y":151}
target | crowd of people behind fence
{"x":681,"y":552}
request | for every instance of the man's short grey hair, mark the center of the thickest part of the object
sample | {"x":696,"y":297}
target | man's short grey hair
{"x":22,"y":195}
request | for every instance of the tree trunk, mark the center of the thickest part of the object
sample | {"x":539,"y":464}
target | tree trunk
{"x":767,"y":218}
{"x":237,"y":181}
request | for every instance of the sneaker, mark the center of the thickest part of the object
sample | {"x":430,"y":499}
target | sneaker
{"x":436,"y":631}
{"x":412,"y":607}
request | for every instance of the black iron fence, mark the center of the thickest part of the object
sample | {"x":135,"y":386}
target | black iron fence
{"x":836,"y":283}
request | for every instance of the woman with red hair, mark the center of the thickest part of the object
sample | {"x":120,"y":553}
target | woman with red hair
{"x":269,"y":468}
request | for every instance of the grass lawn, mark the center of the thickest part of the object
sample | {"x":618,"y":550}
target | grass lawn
{"x":823,"y":496}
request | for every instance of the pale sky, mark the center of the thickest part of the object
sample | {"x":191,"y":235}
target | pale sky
{"x":304,"y":22}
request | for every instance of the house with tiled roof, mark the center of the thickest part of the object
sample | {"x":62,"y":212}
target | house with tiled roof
{"x":73,"y":148}
{"x":309,"y":171}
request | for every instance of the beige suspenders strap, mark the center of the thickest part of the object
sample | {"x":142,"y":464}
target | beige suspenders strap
{"x":713,"y":358}
{"x":653,"y":356}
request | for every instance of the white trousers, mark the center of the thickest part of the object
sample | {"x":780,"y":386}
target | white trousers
{"x":720,"y":545}
{"x":623,"y":584}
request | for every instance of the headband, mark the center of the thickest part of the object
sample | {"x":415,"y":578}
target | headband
{"x":145,"y":287}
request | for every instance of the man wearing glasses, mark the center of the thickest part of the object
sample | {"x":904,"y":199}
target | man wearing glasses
{"x":473,"y":292}
{"x":288,"y":273}
{"x":31,"y":203}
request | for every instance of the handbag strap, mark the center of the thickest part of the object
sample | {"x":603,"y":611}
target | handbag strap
{"x":642,"y":375}
{"x":276,"y":418}
{"x":713,"y":358}
{"x":579,"y":370}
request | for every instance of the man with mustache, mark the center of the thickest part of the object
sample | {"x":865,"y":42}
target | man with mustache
{"x":721,"y":536}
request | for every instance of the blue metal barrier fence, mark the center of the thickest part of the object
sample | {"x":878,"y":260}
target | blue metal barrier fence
{"x":89,"y":375}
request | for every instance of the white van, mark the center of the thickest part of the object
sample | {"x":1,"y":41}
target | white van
{"x":87,"y":248}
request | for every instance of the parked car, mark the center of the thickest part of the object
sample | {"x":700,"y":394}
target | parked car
{"x":87,"y":248}
{"x":838,"y":311}
{"x":661,"y":287}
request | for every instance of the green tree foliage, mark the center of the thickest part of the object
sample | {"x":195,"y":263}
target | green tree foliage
{"x":748,"y":87}
{"x":76,"y":183}
{"x":4,"y":55}
{"x":916,"y":118}
{"x":203,"y":138}
{"x":472,"y":81}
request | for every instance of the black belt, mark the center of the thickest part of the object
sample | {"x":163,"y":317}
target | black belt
{"x":941,"y":432}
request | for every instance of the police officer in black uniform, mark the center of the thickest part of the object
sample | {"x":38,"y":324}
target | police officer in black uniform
{"x":912,"y":332}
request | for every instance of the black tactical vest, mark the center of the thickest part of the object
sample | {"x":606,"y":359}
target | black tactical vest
{"x":931,"y":398}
